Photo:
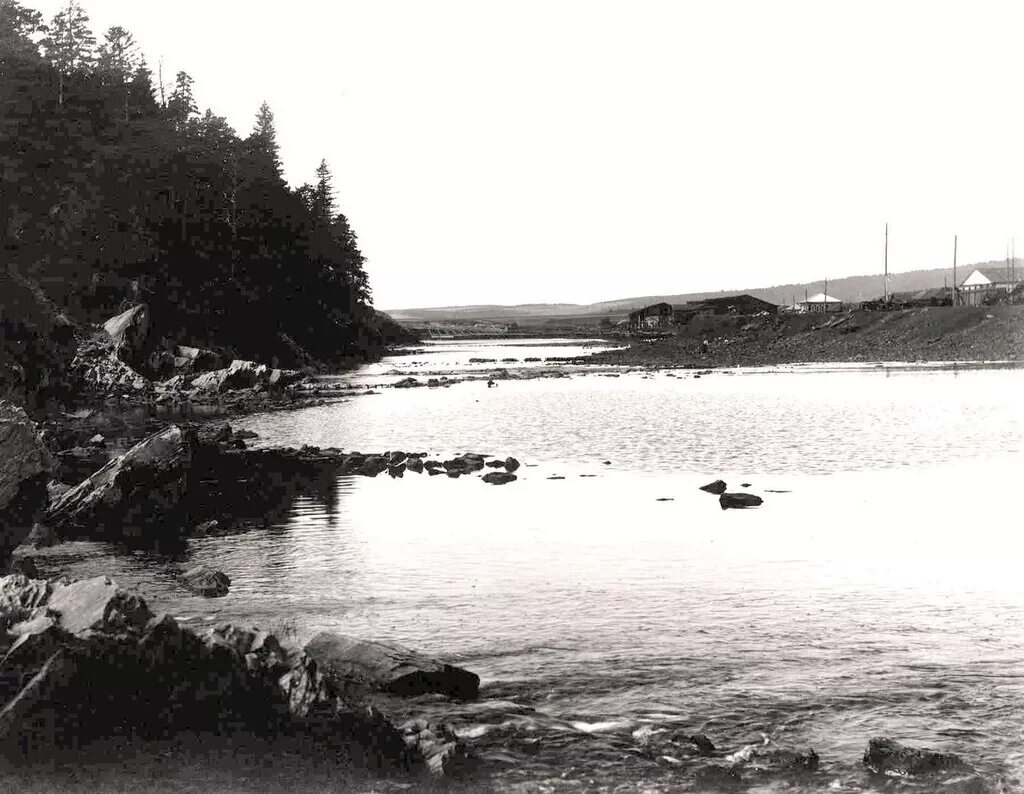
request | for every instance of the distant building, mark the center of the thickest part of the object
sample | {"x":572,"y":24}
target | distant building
{"x":939,"y":296}
{"x":988,"y":285}
{"x":822,"y":304}
{"x":657,"y":315}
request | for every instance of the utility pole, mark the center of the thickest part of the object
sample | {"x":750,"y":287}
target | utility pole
{"x":886,"y":284}
{"x":956,"y":291}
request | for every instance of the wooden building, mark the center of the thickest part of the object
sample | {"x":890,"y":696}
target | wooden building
{"x":822,"y":304}
{"x":987,"y":285}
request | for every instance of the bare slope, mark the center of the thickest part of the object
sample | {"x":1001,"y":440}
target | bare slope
{"x":935,"y":334}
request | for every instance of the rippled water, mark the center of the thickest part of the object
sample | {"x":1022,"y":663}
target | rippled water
{"x":878,"y":592}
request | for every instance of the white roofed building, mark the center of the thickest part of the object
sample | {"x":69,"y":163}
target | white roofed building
{"x":822,"y":303}
{"x":989,"y":284}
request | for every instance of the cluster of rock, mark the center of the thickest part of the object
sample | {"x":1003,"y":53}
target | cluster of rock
{"x":87,"y":660}
{"x":113,"y":360}
{"x":735,"y":501}
{"x":764,"y":762}
{"x":25,"y":467}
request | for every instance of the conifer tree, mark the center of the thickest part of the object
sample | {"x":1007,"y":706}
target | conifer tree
{"x":69,"y":44}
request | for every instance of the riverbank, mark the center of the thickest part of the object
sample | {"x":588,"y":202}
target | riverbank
{"x":927,"y":334}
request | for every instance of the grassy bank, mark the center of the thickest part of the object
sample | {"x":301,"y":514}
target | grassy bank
{"x":927,"y":334}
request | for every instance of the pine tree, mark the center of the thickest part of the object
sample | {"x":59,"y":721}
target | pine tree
{"x":18,"y":27}
{"x":262,"y":145}
{"x":116,"y":62}
{"x":181,"y":107}
{"x":69,"y":44}
{"x":322,"y":204}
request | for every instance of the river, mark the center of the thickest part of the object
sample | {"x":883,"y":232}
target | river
{"x":617,"y":609}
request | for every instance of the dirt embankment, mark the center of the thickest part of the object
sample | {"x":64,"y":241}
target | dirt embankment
{"x":928,"y":334}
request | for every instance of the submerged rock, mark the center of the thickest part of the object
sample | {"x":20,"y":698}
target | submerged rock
{"x":887,"y":756}
{"x":716,"y":487}
{"x":391,"y":668}
{"x":703,"y":744}
{"x":739,"y":501}
{"x":205,"y":581}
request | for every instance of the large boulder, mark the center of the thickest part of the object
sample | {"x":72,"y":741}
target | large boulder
{"x":205,"y":581}
{"x":128,"y":331}
{"x":390,"y":668}
{"x":131,"y":493}
{"x":244,"y":375}
{"x":25,"y":469}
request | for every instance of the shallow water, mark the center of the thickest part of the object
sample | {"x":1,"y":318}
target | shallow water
{"x":880,"y":594}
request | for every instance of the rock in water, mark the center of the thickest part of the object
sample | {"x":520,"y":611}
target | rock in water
{"x":205,"y":581}
{"x":739,"y":501}
{"x":703,"y":744}
{"x":716,"y":487}
{"x":499,"y":478}
{"x":887,"y":756}
{"x":390,"y":668}
{"x":511,"y":464}
{"x":24,"y":472}
{"x":135,"y":491}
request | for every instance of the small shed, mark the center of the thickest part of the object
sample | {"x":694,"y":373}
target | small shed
{"x":656,"y":315}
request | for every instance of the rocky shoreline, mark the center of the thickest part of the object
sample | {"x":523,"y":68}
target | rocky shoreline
{"x":72,"y":650}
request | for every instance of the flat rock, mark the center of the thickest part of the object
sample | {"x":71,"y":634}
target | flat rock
{"x":391,"y":668}
{"x":499,"y":478}
{"x":716,"y":487}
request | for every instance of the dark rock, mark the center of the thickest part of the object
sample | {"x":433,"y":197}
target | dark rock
{"x":24,"y":474}
{"x":205,"y":581}
{"x":373,"y":465}
{"x":442,"y":751}
{"x":211,"y":527}
{"x":499,"y":478}
{"x":887,"y":756}
{"x":717,"y":778}
{"x":556,"y":477}
{"x":739,"y":501}
{"x":396,"y":457}
{"x":133,"y":492}
{"x":87,"y":660}
{"x":744,"y":485}
{"x":396,"y":471}
{"x":716,"y":487}
{"x":511,"y":464}
{"x":407,"y":383}
{"x":432,"y":464}
{"x":42,"y":536}
{"x":434,"y":472}
{"x":414,"y":465}
{"x":703,"y":744}
{"x":390,"y":668}
{"x":495,"y":464}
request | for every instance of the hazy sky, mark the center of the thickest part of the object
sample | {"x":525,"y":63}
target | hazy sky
{"x":506,"y":152}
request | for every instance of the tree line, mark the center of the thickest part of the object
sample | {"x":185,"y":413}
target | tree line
{"x":115,"y":190}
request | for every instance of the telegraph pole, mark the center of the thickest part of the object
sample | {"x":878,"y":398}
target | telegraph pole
{"x":886,"y":283}
{"x":956,"y":291}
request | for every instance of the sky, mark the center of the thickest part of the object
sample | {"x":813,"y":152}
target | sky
{"x":581,"y":150}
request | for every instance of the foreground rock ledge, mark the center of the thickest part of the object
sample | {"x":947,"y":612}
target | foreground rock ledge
{"x":86,"y":661}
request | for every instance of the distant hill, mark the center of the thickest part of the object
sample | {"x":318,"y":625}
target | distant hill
{"x":850,"y":288}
